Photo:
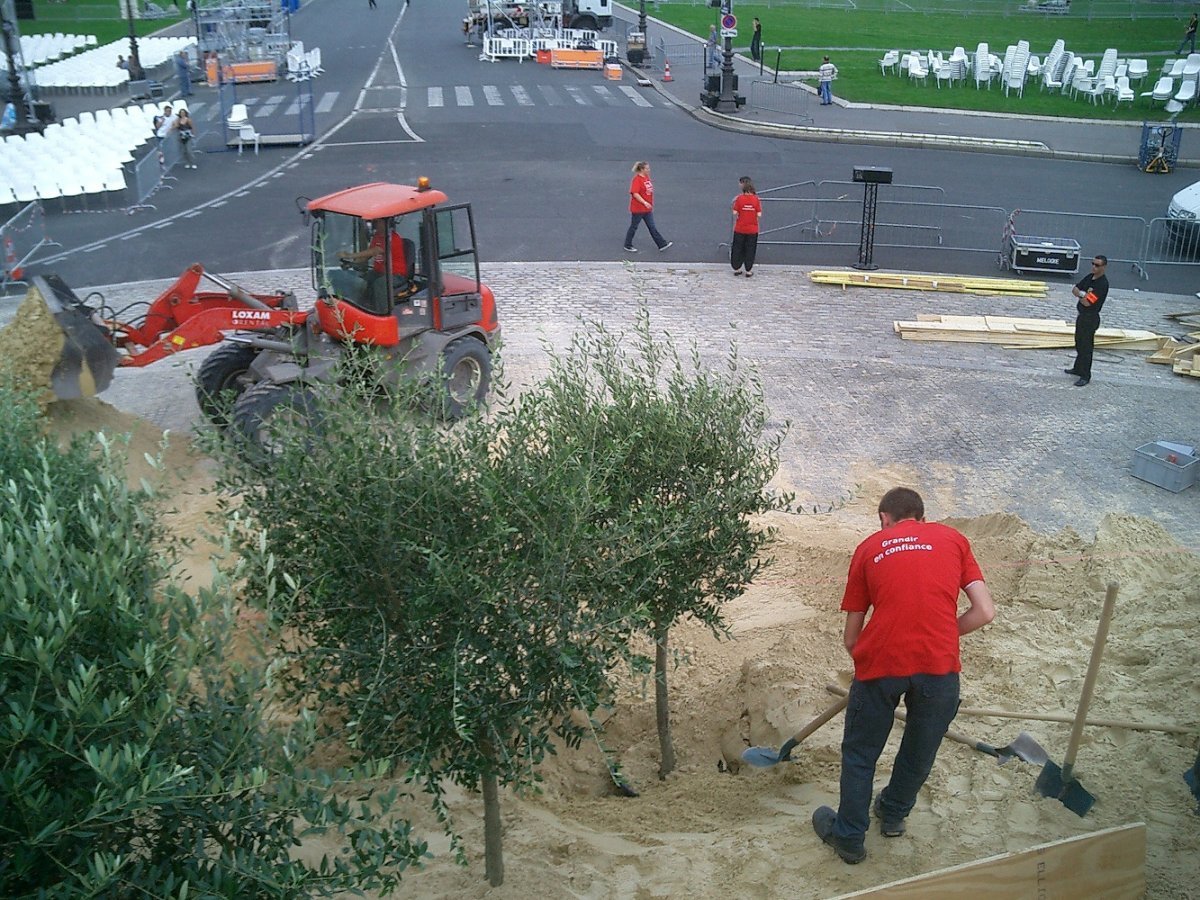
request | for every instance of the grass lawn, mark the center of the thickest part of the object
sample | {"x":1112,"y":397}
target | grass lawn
{"x":102,"y":20}
{"x":856,"y":38}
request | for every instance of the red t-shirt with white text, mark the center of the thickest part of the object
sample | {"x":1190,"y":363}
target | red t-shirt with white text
{"x":641,"y":184}
{"x":909,"y":576}
{"x":746,"y":207}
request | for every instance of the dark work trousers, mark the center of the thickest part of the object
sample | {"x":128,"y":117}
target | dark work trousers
{"x":1086,"y":325}
{"x":932,"y":702}
{"x":636,"y":219}
{"x":742,"y":251}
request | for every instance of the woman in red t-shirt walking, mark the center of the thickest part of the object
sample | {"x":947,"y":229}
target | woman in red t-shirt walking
{"x":747,"y":210}
{"x":641,"y":207}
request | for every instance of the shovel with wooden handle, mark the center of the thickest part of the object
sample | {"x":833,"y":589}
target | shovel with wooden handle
{"x":1023,"y":747}
{"x":1062,"y":784}
{"x":762,"y":757}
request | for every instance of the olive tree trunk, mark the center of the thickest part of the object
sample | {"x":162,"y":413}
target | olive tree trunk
{"x":493,"y":839}
{"x":662,"y":709}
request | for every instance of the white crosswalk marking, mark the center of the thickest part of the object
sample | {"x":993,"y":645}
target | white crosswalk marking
{"x":325,"y":104}
{"x":605,"y":95}
{"x":462,"y":96}
{"x":435,"y":96}
{"x":550,"y":94}
{"x":491,"y":94}
{"x":269,"y":105}
{"x":577,"y":95}
{"x":633,"y":95}
{"x":521,"y":96}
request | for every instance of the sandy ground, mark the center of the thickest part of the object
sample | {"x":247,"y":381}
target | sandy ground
{"x":707,"y":832}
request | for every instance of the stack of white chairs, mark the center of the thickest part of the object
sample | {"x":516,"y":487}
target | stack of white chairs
{"x":75,"y":158}
{"x":313,"y":59}
{"x":607,"y":48}
{"x":1124,"y":91}
{"x":297,"y":65}
{"x":916,"y":70}
{"x":39,"y":49}
{"x":959,"y":64}
{"x":1163,"y":90}
{"x":1016,"y":67}
{"x":1138,"y":69}
{"x":96,"y":69}
{"x":983,"y":66}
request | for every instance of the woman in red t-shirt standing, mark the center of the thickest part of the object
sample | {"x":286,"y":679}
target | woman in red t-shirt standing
{"x":747,"y":210}
{"x":641,"y":207}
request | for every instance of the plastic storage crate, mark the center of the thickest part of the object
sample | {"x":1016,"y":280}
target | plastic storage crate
{"x":1165,"y":467}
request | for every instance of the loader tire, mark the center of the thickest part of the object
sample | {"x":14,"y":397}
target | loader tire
{"x":220,"y":381}
{"x":465,"y":374}
{"x":263,"y":408}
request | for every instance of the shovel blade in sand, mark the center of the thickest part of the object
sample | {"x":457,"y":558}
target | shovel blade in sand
{"x":762,"y":757}
{"x":1060,"y":784}
{"x":1024,"y":748}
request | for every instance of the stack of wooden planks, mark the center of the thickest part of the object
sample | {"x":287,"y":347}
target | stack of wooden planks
{"x":1181,"y":356}
{"x":1018,"y":333}
{"x":952,"y":284}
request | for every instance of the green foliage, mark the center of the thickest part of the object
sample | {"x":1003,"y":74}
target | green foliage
{"x":104,"y":20}
{"x":137,"y":759}
{"x":451,"y":579}
{"x":692,"y":449}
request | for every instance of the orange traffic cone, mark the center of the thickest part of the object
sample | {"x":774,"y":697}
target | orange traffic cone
{"x":667,"y":70}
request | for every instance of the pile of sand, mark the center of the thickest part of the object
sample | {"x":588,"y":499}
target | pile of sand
{"x":705,"y":833}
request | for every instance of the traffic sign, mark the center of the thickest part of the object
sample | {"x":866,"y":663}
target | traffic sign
{"x":728,"y":32}
{"x":729,"y":21}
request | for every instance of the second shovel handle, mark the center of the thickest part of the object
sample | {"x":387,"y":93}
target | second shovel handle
{"x":1089,"y":681}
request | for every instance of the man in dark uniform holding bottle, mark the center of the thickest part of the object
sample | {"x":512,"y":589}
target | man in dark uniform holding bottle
{"x":1090,"y":292}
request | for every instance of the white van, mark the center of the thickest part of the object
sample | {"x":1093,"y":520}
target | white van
{"x":1183,"y":218}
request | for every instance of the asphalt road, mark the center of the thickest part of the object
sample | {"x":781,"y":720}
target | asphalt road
{"x":543,"y":157}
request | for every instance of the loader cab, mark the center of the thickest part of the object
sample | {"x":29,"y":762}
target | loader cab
{"x":362,"y":234}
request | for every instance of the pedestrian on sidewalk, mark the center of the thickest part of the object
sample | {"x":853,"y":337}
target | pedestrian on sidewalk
{"x":827,"y":72}
{"x":714,"y":53}
{"x":183,"y":71}
{"x":1189,"y":37}
{"x":747,"y":210}
{"x":756,"y":41}
{"x":908,"y":575}
{"x":641,"y":208}
{"x":187,"y":133}
{"x":1091,"y":292}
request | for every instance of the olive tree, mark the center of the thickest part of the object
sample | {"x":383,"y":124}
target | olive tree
{"x":137,"y":756}
{"x":692,"y":450}
{"x":449,"y":610}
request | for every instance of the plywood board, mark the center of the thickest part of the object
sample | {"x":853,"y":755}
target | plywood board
{"x":1104,"y":865}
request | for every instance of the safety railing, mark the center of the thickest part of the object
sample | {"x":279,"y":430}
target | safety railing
{"x":20,"y":238}
{"x":788,"y":99}
{"x":829,"y":213}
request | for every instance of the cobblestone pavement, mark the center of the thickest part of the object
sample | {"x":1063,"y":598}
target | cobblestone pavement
{"x":976,"y":428}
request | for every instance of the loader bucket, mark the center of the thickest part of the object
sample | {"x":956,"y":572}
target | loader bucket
{"x":53,"y":346}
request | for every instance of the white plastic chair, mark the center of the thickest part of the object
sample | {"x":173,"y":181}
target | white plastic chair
{"x":916,"y":71}
{"x":1187,"y":93}
{"x":1163,"y":90}
{"x":1138,"y":69}
{"x":891,"y":59}
{"x":238,"y":116}
{"x":246,"y":133}
{"x":944,"y":72}
{"x":1124,"y":91}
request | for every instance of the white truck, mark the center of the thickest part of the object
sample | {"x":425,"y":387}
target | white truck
{"x":587,"y":15}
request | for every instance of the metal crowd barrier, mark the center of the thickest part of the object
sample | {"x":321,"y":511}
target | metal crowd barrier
{"x":20,"y":238}
{"x":789,"y":99}
{"x":151,"y":172}
{"x":829,"y":213}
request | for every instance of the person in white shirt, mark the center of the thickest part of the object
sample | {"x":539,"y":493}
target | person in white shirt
{"x":828,"y":72}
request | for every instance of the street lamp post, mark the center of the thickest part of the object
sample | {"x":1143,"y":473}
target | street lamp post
{"x":16,"y":91}
{"x":136,"y":72}
{"x":642,"y":29}
{"x":727,"y":101}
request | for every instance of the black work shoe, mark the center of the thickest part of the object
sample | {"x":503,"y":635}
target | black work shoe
{"x":1070,"y":372}
{"x":887,"y":827}
{"x":822,"y":821}
{"x":1082,"y":381}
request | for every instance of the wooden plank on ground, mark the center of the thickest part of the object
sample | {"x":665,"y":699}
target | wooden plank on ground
{"x":921,"y":282}
{"x":1017,"y":333}
{"x":1104,"y":865}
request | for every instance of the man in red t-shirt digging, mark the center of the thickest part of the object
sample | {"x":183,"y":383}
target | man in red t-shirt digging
{"x":908,"y":574}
